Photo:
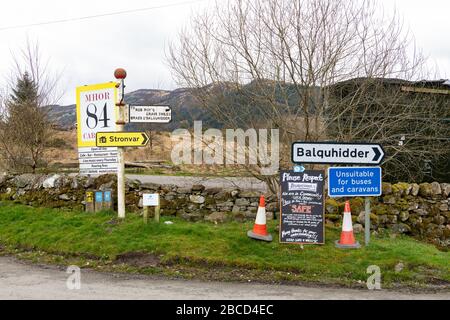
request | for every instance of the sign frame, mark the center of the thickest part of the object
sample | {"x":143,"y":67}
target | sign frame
{"x":355,"y":195}
{"x":322,"y":213}
{"x":380,"y":160}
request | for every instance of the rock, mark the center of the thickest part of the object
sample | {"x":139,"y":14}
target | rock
{"x":150,"y":186}
{"x":401,"y":228}
{"x":217,"y":217}
{"x":443,"y":207}
{"x":234,"y":193}
{"x":64,"y":197}
{"x":415,"y":189}
{"x":399,"y":267}
{"x":439,"y":220}
{"x":141,"y":203}
{"x":225,"y":204}
{"x":213,"y":190}
{"x":249,"y":194}
{"x":222,"y":195}
{"x":269,"y":215}
{"x":404,"y":215}
{"x":361,"y":218}
{"x":272,"y":206}
{"x":444,"y":186}
{"x":250,"y":214}
{"x":236,"y":209}
{"x":192,"y":217}
{"x":436,"y":188}
{"x":196,"y":199}
{"x":183,"y":190}
{"x":358,"y":228}
{"x":425,"y":190}
{"x":133,"y":184}
{"x":389,"y":200}
{"x":24,"y":180}
{"x":50,"y":182}
{"x":3,"y":178}
{"x":386,"y":188}
{"x":198,"y":187}
{"x":242,"y":202}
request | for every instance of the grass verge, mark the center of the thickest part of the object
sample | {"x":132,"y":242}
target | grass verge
{"x":213,"y":252}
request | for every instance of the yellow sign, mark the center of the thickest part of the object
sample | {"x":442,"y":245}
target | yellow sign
{"x":89,"y":196}
{"x":96,"y":111}
{"x":121,"y":139}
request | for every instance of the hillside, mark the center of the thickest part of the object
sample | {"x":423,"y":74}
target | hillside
{"x":185,"y":109}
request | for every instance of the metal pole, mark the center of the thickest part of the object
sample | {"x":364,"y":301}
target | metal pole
{"x":120,"y":74}
{"x":367,"y":221}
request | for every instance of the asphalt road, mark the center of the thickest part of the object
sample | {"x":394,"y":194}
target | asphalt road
{"x":19,"y":280}
{"x":244,"y":183}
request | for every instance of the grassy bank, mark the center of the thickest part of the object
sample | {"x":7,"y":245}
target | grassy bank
{"x":212,"y":251}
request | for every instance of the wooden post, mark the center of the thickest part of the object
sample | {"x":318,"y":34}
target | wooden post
{"x":157,"y":209}
{"x":145,"y":214}
{"x":89,"y":200}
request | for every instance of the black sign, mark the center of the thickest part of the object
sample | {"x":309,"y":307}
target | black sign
{"x":302,"y":207}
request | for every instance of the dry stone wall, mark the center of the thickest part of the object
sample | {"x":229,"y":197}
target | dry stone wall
{"x":420,"y":210}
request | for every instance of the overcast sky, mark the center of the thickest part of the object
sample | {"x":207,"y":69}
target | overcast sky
{"x":89,"y":50}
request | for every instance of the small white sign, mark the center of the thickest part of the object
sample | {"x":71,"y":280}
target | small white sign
{"x":150,"y":114}
{"x":150,"y":199}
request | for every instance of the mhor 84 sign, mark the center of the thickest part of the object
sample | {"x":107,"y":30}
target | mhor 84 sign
{"x":95,"y":111}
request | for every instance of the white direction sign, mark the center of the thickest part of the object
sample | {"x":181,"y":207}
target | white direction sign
{"x":150,"y":114}
{"x":331,"y":152}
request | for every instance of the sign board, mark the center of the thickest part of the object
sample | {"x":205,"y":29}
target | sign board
{"x":336,"y":153}
{"x":96,"y":112}
{"x":302,"y":207}
{"x":122,"y":139}
{"x":150,"y":114}
{"x":354,"y":181}
{"x":95,"y":160}
{"x":150,"y":199}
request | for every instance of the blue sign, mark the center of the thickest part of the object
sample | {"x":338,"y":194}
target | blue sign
{"x":107,"y":196}
{"x":299,"y":168}
{"x":98,"y":196}
{"x":354,"y":181}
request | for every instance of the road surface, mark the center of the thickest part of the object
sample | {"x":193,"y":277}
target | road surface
{"x":20,"y":280}
{"x":244,"y":183}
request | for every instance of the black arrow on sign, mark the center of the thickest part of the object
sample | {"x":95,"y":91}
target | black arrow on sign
{"x":145,"y":139}
{"x":377,"y":154}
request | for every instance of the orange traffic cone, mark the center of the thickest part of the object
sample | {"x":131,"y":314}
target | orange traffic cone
{"x":347,"y":238}
{"x":259,"y":231}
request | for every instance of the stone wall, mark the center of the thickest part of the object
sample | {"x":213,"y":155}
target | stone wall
{"x":421,"y":210}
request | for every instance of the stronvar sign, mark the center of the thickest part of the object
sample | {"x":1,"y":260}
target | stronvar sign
{"x":121,"y":139}
{"x":339,"y":153}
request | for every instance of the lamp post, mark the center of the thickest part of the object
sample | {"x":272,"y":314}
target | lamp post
{"x":120,"y":74}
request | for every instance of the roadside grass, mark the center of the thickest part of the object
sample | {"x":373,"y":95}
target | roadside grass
{"x":204,"y":247}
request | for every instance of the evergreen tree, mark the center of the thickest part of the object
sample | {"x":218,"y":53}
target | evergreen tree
{"x":26,"y":91}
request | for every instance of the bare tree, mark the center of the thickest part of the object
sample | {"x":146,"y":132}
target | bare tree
{"x":25,"y":128}
{"x":279,"y":63}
